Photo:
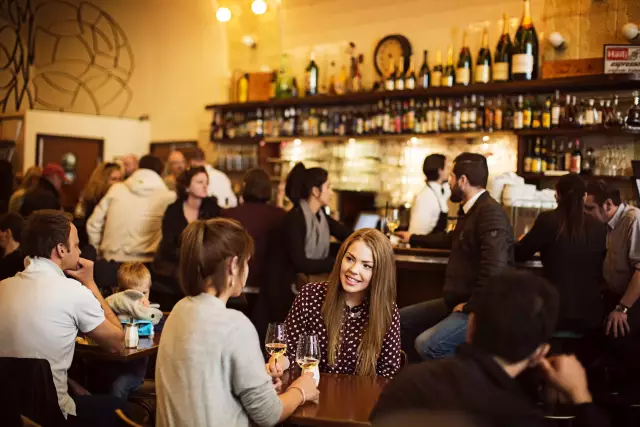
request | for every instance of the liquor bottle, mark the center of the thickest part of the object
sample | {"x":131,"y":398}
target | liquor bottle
{"x":576,"y":159}
{"x":390,"y":82}
{"x":456,"y":117}
{"x":463,"y":69}
{"x":527,"y":114}
{"x":590,"y":113}
{"x":633,"y":114}
{"x":425,"y":72}
{"x":546,"y":114}
{"x":600,"y":111}
{"x":464,"y":114}
{"x":437,"y":116}
{"x":399,"y":85}
{"x":498,"y":116}
{"x":567,"y":156}
{"x":449,"y":73}
{"x":518,"y":114}
{"x":580,"y":112}
{"x":410,"y":79}
{"x":436,"y":76}
{"x":556,"y":110}
{"x":589,"y":162}
{"x":311,"y":77}
{"x":536,"y":161}
{"x":560,"y":156}
{"x":295,"y":91}
{"x":410,"y":114}
{"x":552,"y":160}
{"x":356,"y":74}
{"x":617,"y":114}
{"x":502,"y":56}
{"x":528,"y":157}
{"x":332,"y":79}
{"x":543,"y":156}
{"x":243,"y":88}
{"x":567,"y":117}
{"x":483,"y":63}
{"x":524,"y":62}
{"x":480,"y":114}
{"x":473,"y":114}
{"x":489,"y":117}
{"x":273,"y":85}
{"x":386,"y":117}
{"x":536,"y":114}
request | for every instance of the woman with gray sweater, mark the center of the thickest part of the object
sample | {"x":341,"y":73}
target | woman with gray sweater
{"x":210,"y":370}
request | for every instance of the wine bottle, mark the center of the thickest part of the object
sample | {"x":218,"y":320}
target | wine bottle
{"x":400,"y":75}
{"x":332,"y":79}
{"x":436,"y":76}
{"x":524,"y":63}
{"x":243,"y":88}
{"x":483,"y":63}
{"x":390,"y":82}
{"x":410,"y":79}
{"x":449,"y":73}
{"x":425,"y":72}
{"x":311,"y":77}
{"x":463,"y":69}
{"x":502,"y":57}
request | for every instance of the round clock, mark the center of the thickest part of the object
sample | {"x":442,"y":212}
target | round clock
{"x":394,"y":47}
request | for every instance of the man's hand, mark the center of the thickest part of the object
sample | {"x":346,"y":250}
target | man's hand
{"x":458,"y":308}
{"x":84,"y":272}
{"x":566,"y":374}
{"x":617,"y":322}
{"x":404,"y":236}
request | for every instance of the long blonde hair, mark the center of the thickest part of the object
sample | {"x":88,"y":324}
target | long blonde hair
{"x":382,"y":297}
{"x":98,"y":183}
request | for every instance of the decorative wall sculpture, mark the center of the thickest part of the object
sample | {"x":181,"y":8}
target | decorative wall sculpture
{"x":64,"y":56}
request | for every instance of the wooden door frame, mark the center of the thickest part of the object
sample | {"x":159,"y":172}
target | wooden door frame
{"x":40,"y":148}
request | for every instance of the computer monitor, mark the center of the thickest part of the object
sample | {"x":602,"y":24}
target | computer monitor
{"x":367,"y":220}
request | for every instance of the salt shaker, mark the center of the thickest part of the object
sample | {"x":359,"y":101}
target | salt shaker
{"x":131,"y":337}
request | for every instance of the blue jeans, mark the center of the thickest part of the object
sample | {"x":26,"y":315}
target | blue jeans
{"x":129,"y":378}
{"x":442,"y":340}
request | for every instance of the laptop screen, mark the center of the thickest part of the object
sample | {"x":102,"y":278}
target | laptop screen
{"x":367,"y":220}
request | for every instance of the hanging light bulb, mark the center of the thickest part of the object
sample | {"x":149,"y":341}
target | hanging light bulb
{"x":223,"y":14}
{"x":259,"y":7}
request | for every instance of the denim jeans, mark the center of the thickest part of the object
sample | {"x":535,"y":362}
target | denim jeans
{"x":129,"y":378}
{"x":441,"y":340}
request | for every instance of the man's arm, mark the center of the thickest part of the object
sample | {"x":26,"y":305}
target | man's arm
{"x":495,"y":238}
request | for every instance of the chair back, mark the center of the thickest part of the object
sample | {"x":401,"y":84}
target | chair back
{"x":27,"y":388}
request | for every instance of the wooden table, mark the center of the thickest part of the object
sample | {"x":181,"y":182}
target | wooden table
{"x":146,"y":347}
{"x":345,"y":400}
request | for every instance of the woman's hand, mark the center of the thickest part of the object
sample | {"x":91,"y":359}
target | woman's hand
{"x":306,"y":383}
{"x":277,"y":365}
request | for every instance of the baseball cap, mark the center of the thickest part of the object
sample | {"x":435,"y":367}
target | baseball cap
{"x":54,"y":169}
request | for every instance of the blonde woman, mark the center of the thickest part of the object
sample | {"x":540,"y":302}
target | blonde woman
{"x":354,"y":314}
{"x":29,"y":180}
{"x":102,"y":177}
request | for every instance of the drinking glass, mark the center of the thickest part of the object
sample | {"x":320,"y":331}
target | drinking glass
{"x":308,"y":352}
{"x":393,"y":220}
{"x":276,"y":339}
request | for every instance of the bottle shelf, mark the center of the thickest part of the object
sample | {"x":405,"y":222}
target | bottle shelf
{"x":540,"y":177}
{"x":599,"y":82}
{"x":576,"y":132}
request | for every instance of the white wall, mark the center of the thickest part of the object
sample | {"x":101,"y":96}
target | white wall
{"x":121,"y":136}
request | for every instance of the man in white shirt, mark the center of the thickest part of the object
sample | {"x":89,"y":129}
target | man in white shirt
{"x":219,"y":183}
{"x":430,"y":209}
{"x":42,"y":310}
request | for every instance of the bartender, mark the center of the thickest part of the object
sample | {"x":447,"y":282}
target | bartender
{"x":430,"y":210}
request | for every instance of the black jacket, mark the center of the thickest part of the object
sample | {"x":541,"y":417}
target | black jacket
{"x":575,"y":268}
{"x":11,"y":264}
{"x":42,"y":196}
{"x":167,"y":258}
{"x":473,"y":383}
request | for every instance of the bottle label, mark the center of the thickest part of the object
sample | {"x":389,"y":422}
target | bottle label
{"x":518,"y":120}
{"x":546,"y":120}
{"x":526,"y":118}
{"x":482,"y":73}
{"x":389,"y":84}
{"x":522,"y":63}
{"x":436,"y":78}
{"x":447,"y":81}
{"x":527,"y":164}
{"x":500,"y":71}
{"x":589,"y":118}
{"x":497,"y":119}
{"x":463,"y":76}
{"x":400,"y":84}
{"x":576,"y":163}
{"x":555,"y":115}
{"x":410,"y":84}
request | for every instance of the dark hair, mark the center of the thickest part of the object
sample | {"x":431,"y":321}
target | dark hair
{"x":432,"y":166}
{"x":257,"y":186}
{"x":151,"y":162}
{"x":184,"y":180}
{"x":474,"y":167}
{"x":515,"y":312}
{"x":601,"y":191}
{"x":570,"y":189}
{"x":301,"y":181}
{"x":206,"y":245}
{"x":45,"y":229}
{"x":13,"y":222}
{"x":196,"y":154}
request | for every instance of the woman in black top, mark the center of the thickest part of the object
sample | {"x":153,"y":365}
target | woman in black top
{"x":12,"y":260}
{"x":572,"y":248}
{"x":301,"y":246}
{"x":192,"y":204}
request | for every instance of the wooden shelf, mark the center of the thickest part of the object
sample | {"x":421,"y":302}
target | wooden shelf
{"x":600,"y":82}
{"x":575,"y":132}
{"x":240,"y":140}
{"x":541,"y":177}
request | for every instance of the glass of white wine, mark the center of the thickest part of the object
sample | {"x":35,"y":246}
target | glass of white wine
{"x":276,"y":339}
{"x":308,"y":355}
{"x":393,"y":220}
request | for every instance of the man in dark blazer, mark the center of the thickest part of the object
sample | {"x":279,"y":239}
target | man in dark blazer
{"x":481,"y":247}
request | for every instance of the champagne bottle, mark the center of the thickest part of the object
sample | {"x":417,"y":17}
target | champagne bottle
{"x":400,"y":75}
{"x":410,"y":79}
{"x":436,"y":76}
{"x":243,"y":88}
{"x":425,"y":73}
{"x":390,"y":82}
{"x":483,"y":63}
{"x":502,"y":58}
{"x":311,"y":77}
{"x":449,"y":74}
{"x":524,"y":63}
{"x":463,"y":69}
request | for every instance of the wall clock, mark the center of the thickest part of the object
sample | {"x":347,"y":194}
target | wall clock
{"x":395,"y":46}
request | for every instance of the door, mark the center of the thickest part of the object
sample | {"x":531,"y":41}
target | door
{"x":77,"y":156}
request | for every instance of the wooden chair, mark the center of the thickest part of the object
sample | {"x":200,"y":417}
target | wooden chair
{"x":126,"y":420}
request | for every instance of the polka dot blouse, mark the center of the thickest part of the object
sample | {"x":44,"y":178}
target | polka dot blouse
{"x":305,"y":317}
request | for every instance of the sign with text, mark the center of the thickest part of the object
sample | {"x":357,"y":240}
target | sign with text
{"x":621,"y":58}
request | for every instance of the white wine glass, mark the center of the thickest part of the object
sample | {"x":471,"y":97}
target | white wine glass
{"x":393,"y":220}
{"x":308,"y":352}
{"x":276,"y":340}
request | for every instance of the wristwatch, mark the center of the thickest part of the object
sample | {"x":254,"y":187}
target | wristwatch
{"x":621,"y":308}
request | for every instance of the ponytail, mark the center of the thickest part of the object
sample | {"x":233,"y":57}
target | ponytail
{"x":571,"y":190}
{"x":301,"y":182}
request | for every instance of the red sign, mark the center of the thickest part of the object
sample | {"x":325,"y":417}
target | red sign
{"x":618,"y":54}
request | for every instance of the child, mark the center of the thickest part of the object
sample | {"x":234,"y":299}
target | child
{"x":131,"y":302}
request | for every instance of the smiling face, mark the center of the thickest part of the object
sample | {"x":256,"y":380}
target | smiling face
{"x":357,"y":268}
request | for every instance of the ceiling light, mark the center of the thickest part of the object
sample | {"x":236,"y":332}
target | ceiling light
{"x":259,"y":7}
{"x":223,"y":14}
